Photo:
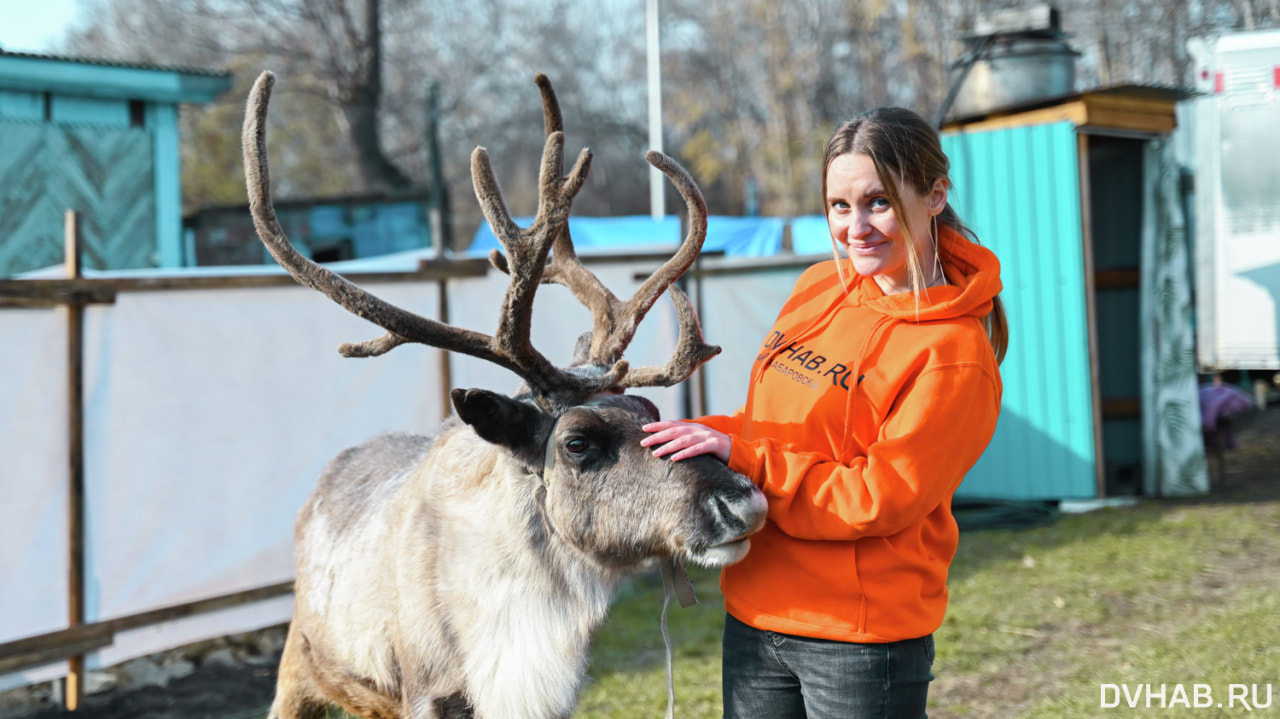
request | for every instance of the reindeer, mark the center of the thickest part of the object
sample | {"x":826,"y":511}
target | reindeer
{"x":463,"y":575}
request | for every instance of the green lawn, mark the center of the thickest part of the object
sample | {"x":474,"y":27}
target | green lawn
{"x":1172,"y":592}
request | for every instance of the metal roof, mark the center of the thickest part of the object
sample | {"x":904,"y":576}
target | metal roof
{"x":184,"y":69}
{"x":91,"y":77}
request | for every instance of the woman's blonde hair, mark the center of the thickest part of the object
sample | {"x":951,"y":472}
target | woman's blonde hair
{"x":907,"y":152}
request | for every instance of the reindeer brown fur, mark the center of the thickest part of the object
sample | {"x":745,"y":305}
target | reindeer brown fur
{"x":463,"y":575}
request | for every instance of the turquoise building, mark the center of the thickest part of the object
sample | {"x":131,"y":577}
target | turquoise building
{"x":100,"y":138}
{"x":1084,"y":203}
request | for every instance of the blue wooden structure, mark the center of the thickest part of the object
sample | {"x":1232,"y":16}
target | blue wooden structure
{"x":328,"y":229}
{"x":100,"y":138}
{"x":1056,"y":192}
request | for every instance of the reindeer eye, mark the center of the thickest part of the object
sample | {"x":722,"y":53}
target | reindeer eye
{"x":577,"y":445}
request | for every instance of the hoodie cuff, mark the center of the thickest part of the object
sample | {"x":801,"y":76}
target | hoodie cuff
{"x":744,"y":459}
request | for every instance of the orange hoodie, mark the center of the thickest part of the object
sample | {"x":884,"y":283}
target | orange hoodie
{"x":864,"y":413}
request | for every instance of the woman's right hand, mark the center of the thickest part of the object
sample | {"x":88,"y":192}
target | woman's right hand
{"x":682,"y":440}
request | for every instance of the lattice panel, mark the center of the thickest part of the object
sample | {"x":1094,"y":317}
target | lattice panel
{"x":106,"y":174}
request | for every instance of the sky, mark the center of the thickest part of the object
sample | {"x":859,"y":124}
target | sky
{"x":33,"y":25}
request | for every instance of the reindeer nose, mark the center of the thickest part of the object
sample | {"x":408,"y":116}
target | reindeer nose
{"x":740,"y":512}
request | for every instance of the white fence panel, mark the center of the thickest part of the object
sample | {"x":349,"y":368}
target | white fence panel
{"x":33,"y":476}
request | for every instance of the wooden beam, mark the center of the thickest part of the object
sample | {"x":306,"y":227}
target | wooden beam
{"x":74,"y":691}
{"x":1091,"y":312}
{"x":444,"y":356}
{"x":1074,"y":112}
{"x":104,"y":290}
{"x":1118,"y":111}
{"x":1116,"y":279}
{"x":1110,"y":118}
{"x":48,"y":648}
{"x":1117,"y":407}
{"x":52,"y":646}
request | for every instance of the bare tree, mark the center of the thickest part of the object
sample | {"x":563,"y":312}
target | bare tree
{"x":752,"y":88}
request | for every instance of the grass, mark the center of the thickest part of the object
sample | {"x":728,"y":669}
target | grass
{"x":1165,"y":592}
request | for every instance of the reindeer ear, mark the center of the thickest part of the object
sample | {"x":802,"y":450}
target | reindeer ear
{"x":504,"y":421}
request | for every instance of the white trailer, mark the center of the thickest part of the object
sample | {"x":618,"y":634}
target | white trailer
{"x":1233,"y":137}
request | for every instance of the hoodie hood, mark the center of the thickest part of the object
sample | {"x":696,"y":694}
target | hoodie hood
{"x":973,"y":277}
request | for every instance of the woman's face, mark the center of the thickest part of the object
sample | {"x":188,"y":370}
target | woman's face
{"x":873,"y":235}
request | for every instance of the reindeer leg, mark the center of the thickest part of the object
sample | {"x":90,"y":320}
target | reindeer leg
{"x":296,"y":696}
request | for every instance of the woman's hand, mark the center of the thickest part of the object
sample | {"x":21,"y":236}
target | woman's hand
{"x":683,"y":440}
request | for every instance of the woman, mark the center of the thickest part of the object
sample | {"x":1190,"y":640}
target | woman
{"x":875,"y":392}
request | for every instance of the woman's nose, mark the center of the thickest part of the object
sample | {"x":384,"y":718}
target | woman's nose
{"x":859,"y":225}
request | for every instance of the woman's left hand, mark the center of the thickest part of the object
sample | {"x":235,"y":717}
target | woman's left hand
{"x":682,"y":440}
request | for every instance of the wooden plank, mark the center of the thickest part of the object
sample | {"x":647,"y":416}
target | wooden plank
{"x":1129,"y":120}
{"x":51,"y":646}
{"x":51,"y":293}
{"x":1074,"y":112}
{"x":1090,"y":111}
{"x":1131,"y":102}
{"x":104,"y":290}
{"x":85,"y":633}
{"x":1116,"y":279}
{"x":73,"y":694}
{"x":54,"y":648}
{"x":1091,"y":312}
{"x":1118,"y":407}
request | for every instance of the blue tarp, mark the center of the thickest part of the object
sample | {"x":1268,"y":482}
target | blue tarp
{"x":597,"y":233}
{"x":744,"y":236}
{"x":735,"y":236}
{"x":810,"y":235}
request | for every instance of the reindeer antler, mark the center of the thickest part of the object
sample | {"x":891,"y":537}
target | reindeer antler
{"x":526,"y":262}
{"x":510,"y":347}
{"x":614,"y":321}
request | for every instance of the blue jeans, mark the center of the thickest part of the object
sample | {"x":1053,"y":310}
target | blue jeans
{"x":768,"y":675}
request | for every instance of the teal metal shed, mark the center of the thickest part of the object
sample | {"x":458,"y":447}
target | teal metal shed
{"x":1066,"y":195}
{"x":100,"y":138}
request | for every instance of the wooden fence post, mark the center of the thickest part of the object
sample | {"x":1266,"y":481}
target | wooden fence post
{"x":436,"y":224}
{"x":74,"y":686}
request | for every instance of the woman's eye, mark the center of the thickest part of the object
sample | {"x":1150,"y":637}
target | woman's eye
{"x":879,"y":203}
{"x":575,"y":446}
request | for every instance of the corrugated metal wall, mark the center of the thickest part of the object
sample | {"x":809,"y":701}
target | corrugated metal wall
{"x":1019,"y":189}
{"x":106,"y":174}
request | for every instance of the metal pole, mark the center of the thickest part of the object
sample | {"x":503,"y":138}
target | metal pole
{"x":657,"y":200}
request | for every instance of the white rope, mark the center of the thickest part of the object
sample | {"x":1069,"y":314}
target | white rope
{"x":666,"y":641}
{"x":674,"y":581}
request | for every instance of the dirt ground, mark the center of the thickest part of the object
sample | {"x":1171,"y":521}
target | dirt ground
{"x":238,"y":689}
{"x":232,"y":679}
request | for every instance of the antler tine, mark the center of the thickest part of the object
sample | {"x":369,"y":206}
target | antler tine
{"x":627,"y":317}
{"x":554,"y":122}
{"x":527,"y":250}
{"x":565,"y":268}
{"x":691,"y":352}
{"x":684,"y":257}
{"x":402,"y":326}
{"x":551,"y":116}
{"x":615,"y":322}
